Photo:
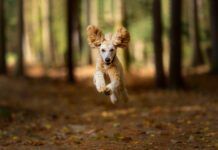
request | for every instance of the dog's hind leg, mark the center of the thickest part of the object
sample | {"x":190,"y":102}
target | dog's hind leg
{"x":113,"y":98}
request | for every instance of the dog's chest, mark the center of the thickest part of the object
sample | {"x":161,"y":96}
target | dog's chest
{"x":107,"y":78}
{"x":106,"y":71}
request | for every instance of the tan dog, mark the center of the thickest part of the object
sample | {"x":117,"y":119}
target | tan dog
{"x":107,"y":62}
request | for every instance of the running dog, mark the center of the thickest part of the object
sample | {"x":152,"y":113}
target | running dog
{"x":107,"y":63}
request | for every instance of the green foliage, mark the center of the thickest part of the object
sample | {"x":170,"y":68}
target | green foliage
{"x":142,"y":9}
{"x":141,"y":29}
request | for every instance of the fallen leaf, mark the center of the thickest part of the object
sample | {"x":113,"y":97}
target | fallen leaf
{"x":116,"y":125}
{"x":191,"y":138}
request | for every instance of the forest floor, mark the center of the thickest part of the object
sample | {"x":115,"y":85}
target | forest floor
{"x":51,"y":114}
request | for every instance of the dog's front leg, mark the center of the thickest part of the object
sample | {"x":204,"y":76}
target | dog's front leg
{"x":99,"y":81}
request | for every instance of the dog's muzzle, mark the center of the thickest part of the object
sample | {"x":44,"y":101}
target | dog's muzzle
{"x":108,"y":61}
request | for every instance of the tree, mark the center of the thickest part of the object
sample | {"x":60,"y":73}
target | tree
{"x":3,"y":69}
{"x":77,"y":31}
{"x":214,"y":35}
{"x":88,"y":21}
{"x":20,"y":65}
{"x":51,"y":23}
{"x":194,"y":31}
{"x":175,"y":68}
{"x":122,"y":21}
{"x":46,"y":32}
{"x":79,"y":27}
{"x":158,"y":45}
{"x":94,"y":12}
{"x":71,"y":7}
{"x":127,"y":59}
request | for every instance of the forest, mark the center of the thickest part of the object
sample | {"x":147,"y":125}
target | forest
{"x":47,"y":96}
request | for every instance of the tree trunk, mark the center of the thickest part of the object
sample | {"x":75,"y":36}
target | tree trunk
{"x":175,"y":69}
{"x":20,"y":64}
{"x":52,"y":47}
{"x":94,"y":12}
{"x":77,"y":31}
{"x":121,"y":20}
{"x":46,"y":33}
{"x":3,"y":67}
{"x":79,"y":28}
{"x":39,"y":30}
{"x":29,"y":57}
{"x":214,"y":35}
{"x":194,"y":32}
{"x":70,"y":64}
{"x":158,"y":45}
{"x":88,"y":17}
{"x":127,"y":58}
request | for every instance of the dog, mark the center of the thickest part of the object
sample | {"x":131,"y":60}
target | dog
{"x":107,"y":63}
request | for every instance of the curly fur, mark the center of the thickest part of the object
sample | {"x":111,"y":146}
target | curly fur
{"x":95,"y":36}
{"x":121,"y":38}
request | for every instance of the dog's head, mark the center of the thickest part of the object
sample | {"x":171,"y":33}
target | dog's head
{"x":107,"y":44}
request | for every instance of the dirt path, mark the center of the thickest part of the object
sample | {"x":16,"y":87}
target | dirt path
{"x":38,"y":114}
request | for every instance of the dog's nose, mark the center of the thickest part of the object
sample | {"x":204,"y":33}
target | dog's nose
{"x":107,"y":60}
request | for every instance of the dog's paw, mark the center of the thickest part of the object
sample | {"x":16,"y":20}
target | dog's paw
{"x":101,"y":89}
{"x":100,"y":86}
{"x":107,"y":91}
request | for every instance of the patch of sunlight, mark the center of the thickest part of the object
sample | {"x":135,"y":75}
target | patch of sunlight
{"x":109,"y":114}
{"x":191,"y":108}
{"x":11,"y":59}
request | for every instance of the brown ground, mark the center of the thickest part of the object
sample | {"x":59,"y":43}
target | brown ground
{"x":42,"y":114}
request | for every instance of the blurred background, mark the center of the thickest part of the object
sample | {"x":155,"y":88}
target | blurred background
{"x":48,"y":37}
{"x":47,"y":97}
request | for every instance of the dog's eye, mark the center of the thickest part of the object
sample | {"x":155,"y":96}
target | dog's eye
{"x":111,"y":50}
{"x":103,"y":50}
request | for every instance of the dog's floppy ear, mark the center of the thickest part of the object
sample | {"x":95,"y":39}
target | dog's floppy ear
{"x":95,"y":36}
{"x":121,"y":38}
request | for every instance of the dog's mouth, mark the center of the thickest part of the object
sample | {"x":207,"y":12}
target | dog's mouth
{"x":107,"y":63}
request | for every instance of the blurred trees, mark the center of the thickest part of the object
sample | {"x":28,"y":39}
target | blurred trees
{"x":48,"y":55}
{"x":20,"y":58}
{"x":78,"y":29}
{"x":214,"y":35}
{"x":71,"y":18}
{"x":88,"y":17}
{"x":158,"y":45}
{"x":121,"y":20}
{"x":2,"y":40}
{"x":195,"y":37}
{"x":51,"y":34}
{"x":175,"y":69}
